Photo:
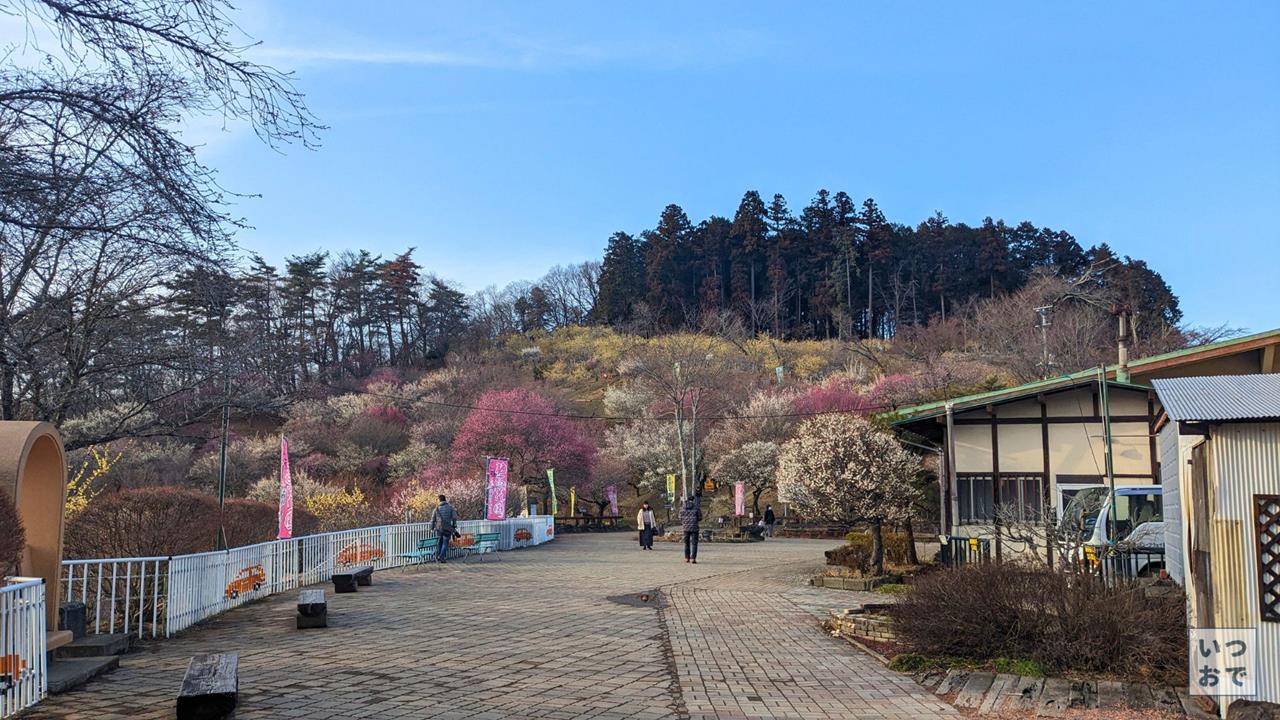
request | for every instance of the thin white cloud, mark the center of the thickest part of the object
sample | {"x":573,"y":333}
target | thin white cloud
{"x":314,"y":56}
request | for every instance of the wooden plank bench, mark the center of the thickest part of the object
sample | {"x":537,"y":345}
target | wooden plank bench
{"x":346,"y":580}
{"x":313,"y":611}
{"x":425,"y":552}
{"x":210,"y":688}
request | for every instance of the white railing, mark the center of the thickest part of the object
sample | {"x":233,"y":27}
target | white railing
{"x":23,"y":682}
{"x":159,"y":596}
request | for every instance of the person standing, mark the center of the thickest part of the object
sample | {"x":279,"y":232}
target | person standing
{"x":444,"y":521}
{"x":647,"y":522}
{"x":690,"y":517}
{"x":769,"y":520}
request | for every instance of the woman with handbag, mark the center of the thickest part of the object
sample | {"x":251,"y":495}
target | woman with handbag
{"x":647,"y":522}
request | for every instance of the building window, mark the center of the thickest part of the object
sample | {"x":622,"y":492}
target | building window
{"x":1023,"y":497}
{"x":1266,"y":522}
{"x":976,"y":495}
{"x":1022,"y":494}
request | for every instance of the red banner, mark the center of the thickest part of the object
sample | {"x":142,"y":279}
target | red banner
{"x":496,"y":489}
{"x":286,"y":493}
{"x":739,"y":499}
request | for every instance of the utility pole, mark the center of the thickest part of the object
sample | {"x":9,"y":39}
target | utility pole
{"x":222,"y":458}
{"x":1043,"y":312}
{"x":1105,"y":404}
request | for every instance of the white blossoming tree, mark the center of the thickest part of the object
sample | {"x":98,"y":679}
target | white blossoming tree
{"x":844,"y":470}
{"x":754,"y":464}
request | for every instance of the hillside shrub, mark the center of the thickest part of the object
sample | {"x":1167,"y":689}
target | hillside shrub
{"x":13,"y":538}
{"x":1061,"y":622}
{"x":143,"y":522}
{"x":248,"y":522}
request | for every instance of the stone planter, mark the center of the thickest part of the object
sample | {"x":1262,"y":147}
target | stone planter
{"x":854,"y":583}
{"x":868,"y":622}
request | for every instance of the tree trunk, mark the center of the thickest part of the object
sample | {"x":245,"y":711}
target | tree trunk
{"x":877,"y":547}
{"x":911,"y":545}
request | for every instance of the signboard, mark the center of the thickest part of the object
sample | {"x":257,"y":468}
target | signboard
{"x":1224,"y":662}
{"x":286,"y":493}
{"x":739,"y":499}
{"x":611,"y":492}
{"x":496,"y":489}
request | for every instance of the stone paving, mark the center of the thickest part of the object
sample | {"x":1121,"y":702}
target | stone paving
{"x":531,"y":634}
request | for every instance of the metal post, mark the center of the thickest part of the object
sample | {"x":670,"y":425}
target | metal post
{"x":951,"y":495}
{"x":1105,"y":403}
{"x":222,"y":458}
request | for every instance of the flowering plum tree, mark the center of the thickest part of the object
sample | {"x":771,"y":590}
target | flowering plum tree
{"x":753,"y":465}
{"x":523,"y":426}
{"x":844,"y":470}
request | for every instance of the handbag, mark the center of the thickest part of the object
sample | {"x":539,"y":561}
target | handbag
{"x":457,"y":535}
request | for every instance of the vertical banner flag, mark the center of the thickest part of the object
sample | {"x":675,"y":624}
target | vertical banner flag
{"x":497,"y":488}
{"x":524,"y":501}
{"x":611,"y":492}
{"x":573,"y":501}
{"x":739,"y":499}
{"x":551,"y":483}
{"x":671,"y":490}
{"x":286,"y":493}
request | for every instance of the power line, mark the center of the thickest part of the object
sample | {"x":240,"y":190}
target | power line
{"x":618,"y":418}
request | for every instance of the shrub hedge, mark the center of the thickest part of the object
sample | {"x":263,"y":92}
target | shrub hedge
{"x":1059,"y":621}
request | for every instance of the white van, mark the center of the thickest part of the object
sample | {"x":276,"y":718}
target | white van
{"x":1139,"y":526}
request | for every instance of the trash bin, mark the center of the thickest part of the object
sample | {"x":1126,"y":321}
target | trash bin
{"x":72,"y":616}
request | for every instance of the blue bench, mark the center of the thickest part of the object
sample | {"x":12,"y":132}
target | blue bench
{"x":426,"y":551}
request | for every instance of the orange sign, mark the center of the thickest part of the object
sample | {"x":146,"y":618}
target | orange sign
{"x":551,"y":530}
{"x":524,"y":534}
{"x":250,"y":578}
{"x":359,"y":554}
{"x":11,"y":666}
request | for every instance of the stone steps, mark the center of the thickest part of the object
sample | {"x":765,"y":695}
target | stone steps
{"x":84,"y":659}
{"x":991,"y":693}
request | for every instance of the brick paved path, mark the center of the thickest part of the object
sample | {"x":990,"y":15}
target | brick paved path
{"x":531,"y":634}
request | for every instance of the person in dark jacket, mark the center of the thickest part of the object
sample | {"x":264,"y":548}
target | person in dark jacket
{"x":690,"y":516}
{"x":769,"y":520}
{"x":444,"y":521}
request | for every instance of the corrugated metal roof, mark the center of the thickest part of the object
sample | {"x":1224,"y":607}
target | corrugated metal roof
{"x":1220,"y":397}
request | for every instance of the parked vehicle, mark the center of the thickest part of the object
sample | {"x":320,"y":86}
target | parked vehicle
{"x":249,"y":579}
{"x":1137,"y":550}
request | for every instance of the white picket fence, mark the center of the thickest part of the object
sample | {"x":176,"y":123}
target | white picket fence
{"x":159,"y":596}
{"x":23,"y":681}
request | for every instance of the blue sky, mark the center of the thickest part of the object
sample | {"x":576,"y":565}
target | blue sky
{"x":502,"y":138}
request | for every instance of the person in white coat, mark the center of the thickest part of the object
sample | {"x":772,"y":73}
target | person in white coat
{"x":647,"y":523}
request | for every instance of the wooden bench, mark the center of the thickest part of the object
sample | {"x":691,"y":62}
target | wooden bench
{"x":485,"y":543}
{"x":313,"y":611}
{"x":346,"y":580}
{"x":425,"y":552}
{"x":210,"y":687}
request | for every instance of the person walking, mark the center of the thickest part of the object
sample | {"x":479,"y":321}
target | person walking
{"x":690,"y":517}
{"x":647,"y":522}
{"x":444,"y":521}
{"x":769,"y":520}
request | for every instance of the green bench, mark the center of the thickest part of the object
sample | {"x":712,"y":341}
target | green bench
{"x":485,"y":543}
{"x":425,"y":552}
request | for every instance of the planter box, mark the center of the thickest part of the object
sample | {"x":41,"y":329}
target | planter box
{"x":854,"y":583}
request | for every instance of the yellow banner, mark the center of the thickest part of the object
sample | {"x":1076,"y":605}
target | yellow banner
{"x":573,"y":501}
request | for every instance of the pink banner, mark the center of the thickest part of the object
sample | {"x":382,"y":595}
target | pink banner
{"x":286,"y":493}
{"x":739,"y":499}
{"x":496,"y":489}
{"x":611,"y":492}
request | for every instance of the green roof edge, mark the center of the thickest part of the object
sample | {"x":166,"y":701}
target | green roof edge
{"x":922,"y":411}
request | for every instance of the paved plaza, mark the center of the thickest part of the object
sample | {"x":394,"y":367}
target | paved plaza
{"x":535,"y":634}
